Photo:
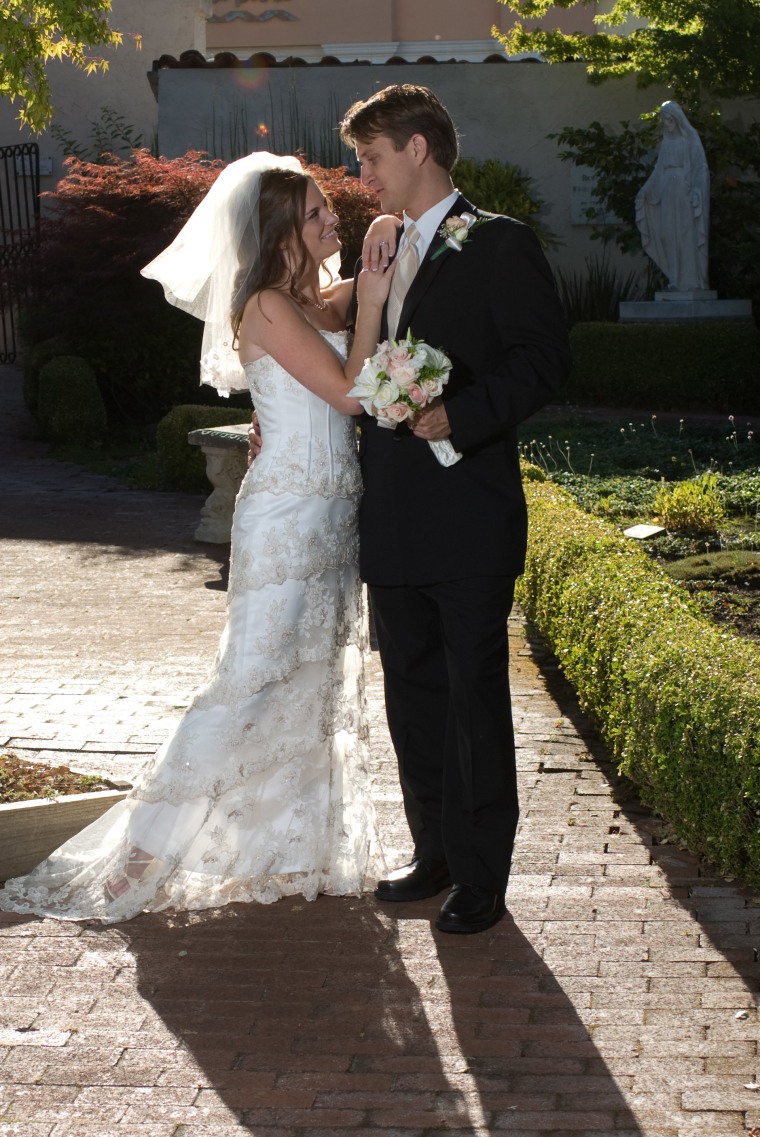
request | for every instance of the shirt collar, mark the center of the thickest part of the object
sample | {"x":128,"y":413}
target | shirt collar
{"x":431,"y":220}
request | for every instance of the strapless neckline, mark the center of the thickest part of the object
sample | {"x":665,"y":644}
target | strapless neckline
{"x":341,"y":335}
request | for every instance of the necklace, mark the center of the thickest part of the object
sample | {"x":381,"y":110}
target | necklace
{"x":321,"y":307}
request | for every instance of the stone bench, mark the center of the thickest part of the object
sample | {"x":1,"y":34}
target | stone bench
{"x":225,"y":449}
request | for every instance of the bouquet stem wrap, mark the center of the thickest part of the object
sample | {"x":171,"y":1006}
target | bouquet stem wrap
{"x":445,"y":452}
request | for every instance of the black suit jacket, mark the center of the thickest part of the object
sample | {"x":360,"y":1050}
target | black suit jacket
{"x":493,"y":308}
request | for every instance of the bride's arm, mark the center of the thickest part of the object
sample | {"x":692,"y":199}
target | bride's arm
{"x":273,"y":323}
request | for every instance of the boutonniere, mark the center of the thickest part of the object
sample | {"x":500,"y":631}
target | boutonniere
{"x":455,"y":231}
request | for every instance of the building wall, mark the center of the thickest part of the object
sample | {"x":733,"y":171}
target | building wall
{"x":369,"y":29}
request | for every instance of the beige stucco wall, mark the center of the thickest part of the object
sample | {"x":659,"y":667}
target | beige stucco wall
{"x":354,"y":29}
{"x":165,"y":28}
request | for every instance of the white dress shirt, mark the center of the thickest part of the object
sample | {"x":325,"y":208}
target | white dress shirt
{"x":429,"y":223}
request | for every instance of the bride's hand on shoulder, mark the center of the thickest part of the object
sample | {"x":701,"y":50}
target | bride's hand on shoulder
{"x":373,"y":287}
{"x":380,"y":242}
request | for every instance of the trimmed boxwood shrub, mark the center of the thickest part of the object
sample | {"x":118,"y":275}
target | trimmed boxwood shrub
{"x":676,"y":699}
{"x":183,"y":466}
{"x":70,"y":407}
{"x":710,"y":367}
{"x":35,"y":359}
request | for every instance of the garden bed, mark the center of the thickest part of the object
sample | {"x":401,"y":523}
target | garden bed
{"x":617,"y":464}
{"x":42,"y":806}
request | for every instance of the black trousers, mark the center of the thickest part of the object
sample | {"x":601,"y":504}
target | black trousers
{"x":445,"y":659}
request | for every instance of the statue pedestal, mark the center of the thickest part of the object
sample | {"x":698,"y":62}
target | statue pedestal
{"x":693,"y":294}
{"x":673,"y":307}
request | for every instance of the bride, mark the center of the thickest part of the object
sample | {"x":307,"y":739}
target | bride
{"x":263,"y":789}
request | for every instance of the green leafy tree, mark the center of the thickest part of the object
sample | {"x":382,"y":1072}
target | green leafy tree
{"x":33,"y":32}
{"x":691,"y":46}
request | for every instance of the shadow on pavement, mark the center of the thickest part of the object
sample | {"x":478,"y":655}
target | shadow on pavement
{"x":337,"y":1016}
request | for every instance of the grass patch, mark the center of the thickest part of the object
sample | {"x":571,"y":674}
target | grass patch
{"x":647,"y":446}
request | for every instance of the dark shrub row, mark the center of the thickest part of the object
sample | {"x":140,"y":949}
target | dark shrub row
{"x":709,"y":367}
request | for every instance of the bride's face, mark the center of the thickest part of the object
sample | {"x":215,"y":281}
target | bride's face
{"x":319,"y":233}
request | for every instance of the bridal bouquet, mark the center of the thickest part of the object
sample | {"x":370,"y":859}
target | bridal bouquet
{"x":399,"y":380}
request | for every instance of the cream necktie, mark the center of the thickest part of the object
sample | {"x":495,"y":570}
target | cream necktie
{"x":406,"y":270}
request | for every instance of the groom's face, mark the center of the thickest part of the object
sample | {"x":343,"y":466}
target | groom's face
{"x":391,"y":173}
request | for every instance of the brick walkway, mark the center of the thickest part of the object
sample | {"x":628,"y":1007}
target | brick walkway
{"x":605,"y":1004}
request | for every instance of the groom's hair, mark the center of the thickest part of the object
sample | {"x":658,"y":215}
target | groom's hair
{"x":399,"y":112}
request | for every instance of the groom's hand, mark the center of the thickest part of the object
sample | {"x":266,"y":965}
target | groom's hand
{"x":433,"y":423}
{"x":254,"y":439}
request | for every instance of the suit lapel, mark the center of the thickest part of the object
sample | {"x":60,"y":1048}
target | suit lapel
{"x":430,"y":268}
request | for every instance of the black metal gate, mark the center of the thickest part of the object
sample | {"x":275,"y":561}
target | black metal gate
{"x":19,"y":234}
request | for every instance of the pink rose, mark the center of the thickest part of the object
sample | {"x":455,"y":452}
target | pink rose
{"x":400,"y":354}
{"x":403,"y":374}
{"x":398,"y":412}
{"x":416,"y":394}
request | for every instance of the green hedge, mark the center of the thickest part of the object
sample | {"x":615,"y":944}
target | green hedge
{"x":70,"y":408}
{"x":709,"y":367}
{"x":184,"y":466}
{"x":35,"y":359}
{"x":676,"y":699}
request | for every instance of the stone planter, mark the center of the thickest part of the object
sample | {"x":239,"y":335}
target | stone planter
{"x":31,"y":830}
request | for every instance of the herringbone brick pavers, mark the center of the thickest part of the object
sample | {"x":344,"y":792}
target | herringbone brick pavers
{"x":605,"y":1004}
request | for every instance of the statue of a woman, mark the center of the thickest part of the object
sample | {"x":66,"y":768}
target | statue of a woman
{"x":673,"y":205}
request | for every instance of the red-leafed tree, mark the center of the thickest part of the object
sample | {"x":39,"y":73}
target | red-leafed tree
{"x":104,"y":222}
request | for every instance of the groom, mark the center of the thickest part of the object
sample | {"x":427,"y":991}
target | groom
{"x":440,"y":547}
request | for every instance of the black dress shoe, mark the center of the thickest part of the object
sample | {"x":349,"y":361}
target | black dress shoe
{"x":415,"y":881}
{"x":469,"y":909}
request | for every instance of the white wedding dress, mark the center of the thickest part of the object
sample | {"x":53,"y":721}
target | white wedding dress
{"x":263,"y":789}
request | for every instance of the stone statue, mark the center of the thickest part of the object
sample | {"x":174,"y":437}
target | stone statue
{"x":673,"y":205}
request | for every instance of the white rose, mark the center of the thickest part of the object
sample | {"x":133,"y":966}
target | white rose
{"x":386,"y":393}
{"x":432,"y":387}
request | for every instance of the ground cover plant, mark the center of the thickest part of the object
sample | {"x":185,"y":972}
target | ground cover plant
{"x":21,"y":780}
{"x":698,"y":478}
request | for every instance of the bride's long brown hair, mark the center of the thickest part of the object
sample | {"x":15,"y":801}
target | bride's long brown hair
{"x":276,"y":256}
